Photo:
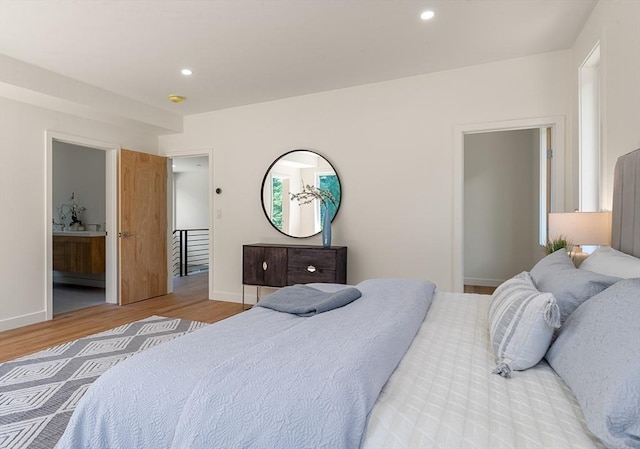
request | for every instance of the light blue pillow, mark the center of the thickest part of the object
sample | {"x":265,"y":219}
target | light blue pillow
{"x":557,"y":274}
{"x":597,"y":354}
{"x":521,"y":324}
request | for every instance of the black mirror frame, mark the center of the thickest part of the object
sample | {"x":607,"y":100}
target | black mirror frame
{"x":264,"y":180}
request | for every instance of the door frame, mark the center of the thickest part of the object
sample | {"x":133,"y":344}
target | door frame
{"x":111,"y":212}
{"x":170,"y":212}
{"x":557,"y":123}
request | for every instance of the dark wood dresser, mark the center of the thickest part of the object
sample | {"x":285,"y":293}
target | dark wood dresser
{"x":271,"y":265}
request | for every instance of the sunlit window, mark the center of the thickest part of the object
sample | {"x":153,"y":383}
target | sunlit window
{"x":276,"y":208}
{"x":544,"y":193}
{"x":589,"y":145}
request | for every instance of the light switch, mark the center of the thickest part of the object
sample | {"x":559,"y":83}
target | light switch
{"x":219,"y":214}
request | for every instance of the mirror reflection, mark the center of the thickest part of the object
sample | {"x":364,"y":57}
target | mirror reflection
{"x":286,"y":176}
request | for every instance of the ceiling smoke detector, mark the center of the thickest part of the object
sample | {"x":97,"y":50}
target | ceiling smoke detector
{"x":176,"y":98}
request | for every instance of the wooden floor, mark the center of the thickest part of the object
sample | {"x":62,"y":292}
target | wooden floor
{"x":479,"y":289}
{"x":189,"y":301}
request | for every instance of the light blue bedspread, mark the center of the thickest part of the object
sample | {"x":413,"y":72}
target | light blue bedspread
{"x":260,"y":379}
{"x":303,"y":300}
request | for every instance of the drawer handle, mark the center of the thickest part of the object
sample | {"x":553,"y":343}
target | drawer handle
{"x":311,"y":269}
{"x":265,"y":266}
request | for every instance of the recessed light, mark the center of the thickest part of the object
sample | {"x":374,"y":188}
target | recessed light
{"x":427,"y":15}
{"x":186,"y":72}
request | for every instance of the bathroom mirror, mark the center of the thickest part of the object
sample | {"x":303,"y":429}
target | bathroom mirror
{"x":287,"y":175}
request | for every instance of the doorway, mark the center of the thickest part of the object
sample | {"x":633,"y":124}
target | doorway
{"x":191,"y":232}
{"x":556,"y":178}
{"x":503,"y":188}
{"x":109,"y":152}
{"x":79,"y":223}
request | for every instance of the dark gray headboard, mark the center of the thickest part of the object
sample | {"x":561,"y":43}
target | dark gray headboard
{"x":625,"y":232}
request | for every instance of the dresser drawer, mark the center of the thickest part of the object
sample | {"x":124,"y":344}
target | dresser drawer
{"x":301,"y":258}
{"x":305,"y":276}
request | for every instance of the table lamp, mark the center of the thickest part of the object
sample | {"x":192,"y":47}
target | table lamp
{"x":581,"y":228}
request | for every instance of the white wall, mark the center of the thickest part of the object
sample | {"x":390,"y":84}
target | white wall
{"x":392,"y":145}
{"x":500,"y":205}
{"x":401,"y":132}
{"x":616,"y":25}
{"x":80,"y":171}
{"x":192,"y":199}
{"x":22,"y":198}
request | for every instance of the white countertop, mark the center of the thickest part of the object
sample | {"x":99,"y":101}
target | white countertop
{"x":79,"y":233}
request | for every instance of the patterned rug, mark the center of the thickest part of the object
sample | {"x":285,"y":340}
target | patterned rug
{"x":39,"y":392}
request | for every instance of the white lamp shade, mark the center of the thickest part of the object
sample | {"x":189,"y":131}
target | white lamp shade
{"x":581,"y":228}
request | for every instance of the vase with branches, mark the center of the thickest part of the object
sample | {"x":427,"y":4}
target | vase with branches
{"x":73,"y":210}
{"x":310,"y":193}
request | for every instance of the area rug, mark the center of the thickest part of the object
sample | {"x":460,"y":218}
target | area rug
{"x":39,"y":392}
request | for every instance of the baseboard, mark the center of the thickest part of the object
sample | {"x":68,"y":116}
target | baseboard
{"x":226,"y":296}
{"x":249,"y":295}
{"x":23,"y":320}
{"x":483,"y":282}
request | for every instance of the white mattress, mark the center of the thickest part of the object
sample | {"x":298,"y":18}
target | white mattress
{"x":443,"y":395}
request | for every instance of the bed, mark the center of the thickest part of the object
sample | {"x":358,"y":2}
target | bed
{"x":402,"y":366}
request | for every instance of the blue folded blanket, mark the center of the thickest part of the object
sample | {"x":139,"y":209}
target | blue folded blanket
{"x":302,"y":300}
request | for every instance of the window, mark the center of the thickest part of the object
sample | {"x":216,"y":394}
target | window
{"x":544,"y":193}
{"x":276,"y":208}
{"x":328,"y":182}
{"x":589,"y":144}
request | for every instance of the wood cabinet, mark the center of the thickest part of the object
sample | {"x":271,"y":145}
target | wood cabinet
{"x":281,"y":265}
{"x":79,"y":254}
{"x":262,"y":265}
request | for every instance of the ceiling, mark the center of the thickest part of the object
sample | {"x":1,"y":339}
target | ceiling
{"x":244,"y":52}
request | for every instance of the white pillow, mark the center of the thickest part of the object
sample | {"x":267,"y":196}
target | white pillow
{"x":521,"y":324}
{"x":610,"y":262}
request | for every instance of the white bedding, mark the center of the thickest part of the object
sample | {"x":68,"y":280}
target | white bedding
{"x":443,"y":395}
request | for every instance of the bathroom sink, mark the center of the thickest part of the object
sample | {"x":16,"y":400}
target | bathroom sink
{"x":79,"y":233}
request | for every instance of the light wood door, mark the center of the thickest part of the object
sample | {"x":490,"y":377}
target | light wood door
{"x":142,"y":236}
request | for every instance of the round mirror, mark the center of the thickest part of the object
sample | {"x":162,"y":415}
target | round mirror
{"x":287,"y":176}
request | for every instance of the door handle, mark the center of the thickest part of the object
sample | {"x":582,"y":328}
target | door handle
{"x":265,"y":266}
{"x":311,"y":269}
{"x":124,"y":235}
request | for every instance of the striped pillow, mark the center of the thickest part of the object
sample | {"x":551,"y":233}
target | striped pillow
{"x":521,"y":324}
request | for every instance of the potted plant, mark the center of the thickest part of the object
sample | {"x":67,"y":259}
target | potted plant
{"x":558,"y":243}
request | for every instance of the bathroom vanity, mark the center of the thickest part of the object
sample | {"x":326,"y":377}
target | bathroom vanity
{"x":79,"y":251}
